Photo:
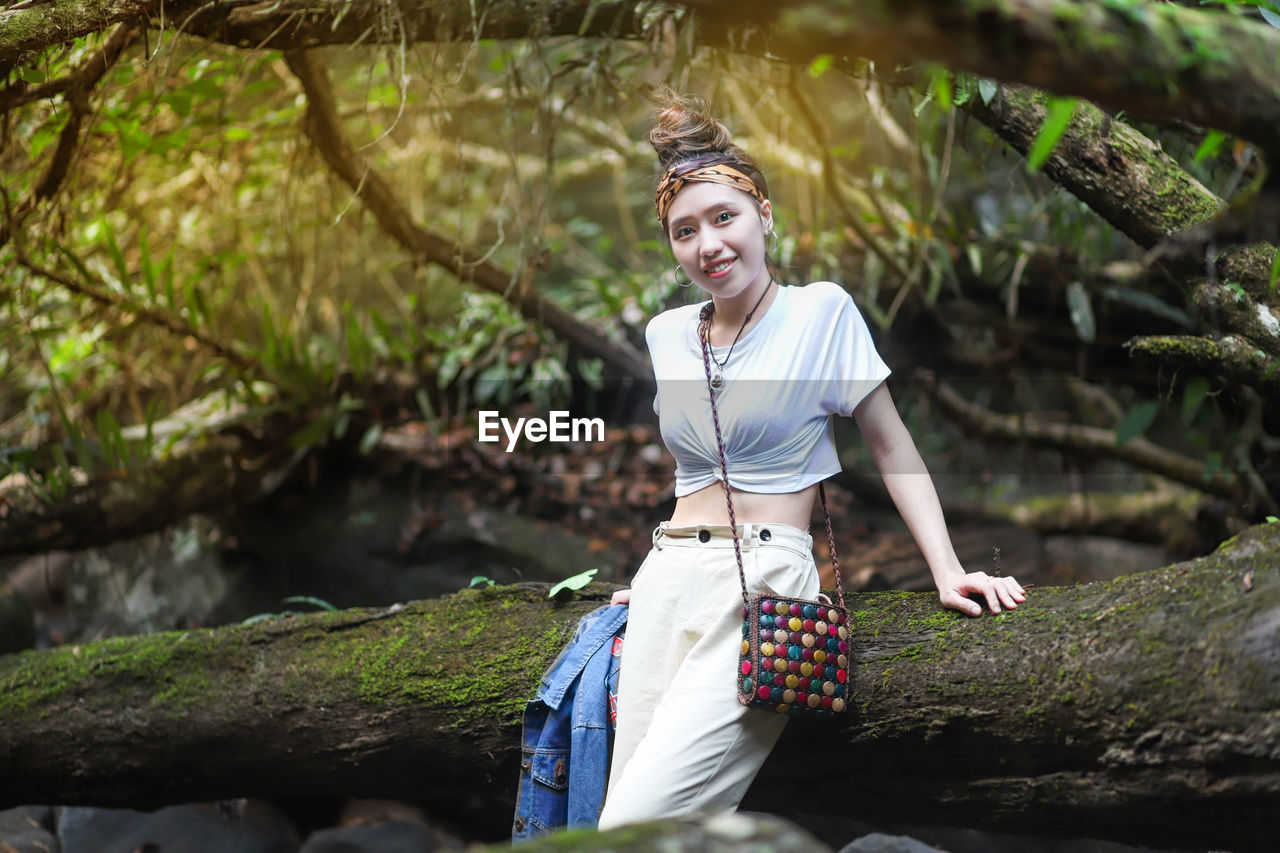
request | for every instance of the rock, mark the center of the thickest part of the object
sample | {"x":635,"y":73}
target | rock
{"x":381,"y":826}
{"x":741,"y":832}
{"x":17,"y":622}
{"x":28,"y":829}
{"x":161,"y":581}
{"x":239,"y":826}
{"x":879,"y":842}
{"x":397,"y":836}
{"x":1082,"y":559}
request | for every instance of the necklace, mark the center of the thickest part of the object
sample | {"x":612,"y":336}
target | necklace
{"x":717,"y":375}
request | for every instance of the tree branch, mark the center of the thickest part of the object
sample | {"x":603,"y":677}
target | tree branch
{"x":1138,"y":452}
{"x":1156,"y":60}
{"x":1229,"y":356}
{"x":76,"y":86}
{"x":1122,"y":175}
{"x":324,"y":128}
{"x":145,"y":498}
{"x":83,"y":78}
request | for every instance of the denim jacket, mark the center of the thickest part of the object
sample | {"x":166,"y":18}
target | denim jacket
{"x":568,"y":730}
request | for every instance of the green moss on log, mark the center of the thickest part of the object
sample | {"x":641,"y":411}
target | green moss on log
{"x":473,"y":654}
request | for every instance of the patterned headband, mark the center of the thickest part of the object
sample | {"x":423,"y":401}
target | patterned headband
{"x":720,"y":173}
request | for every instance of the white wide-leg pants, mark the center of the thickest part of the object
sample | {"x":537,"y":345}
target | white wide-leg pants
{"x":683,"y":743}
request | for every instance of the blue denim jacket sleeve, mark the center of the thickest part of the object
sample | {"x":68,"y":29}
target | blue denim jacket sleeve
{"x":568,"y":731}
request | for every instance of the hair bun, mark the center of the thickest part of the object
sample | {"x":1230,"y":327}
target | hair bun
{"x":686,"y":129}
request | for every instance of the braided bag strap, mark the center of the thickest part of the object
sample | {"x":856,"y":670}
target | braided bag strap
{"x":704,"y":337}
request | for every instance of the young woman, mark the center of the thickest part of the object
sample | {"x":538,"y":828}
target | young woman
{"x":783,"y":360}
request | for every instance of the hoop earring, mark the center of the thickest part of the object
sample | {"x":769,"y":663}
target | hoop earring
{"x":774,"y":250}
{"x":688,"y":283}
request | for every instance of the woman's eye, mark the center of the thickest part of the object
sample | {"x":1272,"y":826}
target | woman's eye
{"x":683,"y":232}
{"x":724,"y":216}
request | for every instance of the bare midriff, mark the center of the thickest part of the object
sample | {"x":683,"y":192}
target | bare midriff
{"x":707,"y":506}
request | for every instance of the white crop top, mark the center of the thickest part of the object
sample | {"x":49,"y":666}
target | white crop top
{"x":809,"y":357}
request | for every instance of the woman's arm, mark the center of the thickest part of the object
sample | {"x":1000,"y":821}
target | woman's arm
{"x":911,"y":488}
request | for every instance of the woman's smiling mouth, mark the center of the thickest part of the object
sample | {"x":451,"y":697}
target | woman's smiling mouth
{"x":719,"y":269}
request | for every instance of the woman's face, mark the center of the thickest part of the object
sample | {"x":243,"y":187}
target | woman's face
{"x":718,"y":236}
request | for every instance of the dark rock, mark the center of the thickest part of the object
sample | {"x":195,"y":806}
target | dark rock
{"x":17,"y":622}
{"x":235,"y":827}
{"x":381,"y":826}
{"x":28,"y":829}
{"x":879,"y":842}
{"x":392,"y":837}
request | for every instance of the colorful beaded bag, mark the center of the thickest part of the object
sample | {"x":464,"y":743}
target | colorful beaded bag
{"x":795,"y":651}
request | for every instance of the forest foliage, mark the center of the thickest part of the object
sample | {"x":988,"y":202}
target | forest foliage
{"x":182,"y":257}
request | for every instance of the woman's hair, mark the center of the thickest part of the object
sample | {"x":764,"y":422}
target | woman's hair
{"x":687,"y":137}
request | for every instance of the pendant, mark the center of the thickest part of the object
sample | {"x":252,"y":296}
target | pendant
{"x":717,"y":379}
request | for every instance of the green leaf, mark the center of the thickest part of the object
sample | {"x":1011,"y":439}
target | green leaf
{"x":41,"y":139}
{"x":1055,"y":124}
{"x":941,"y":86}
{"x":424,"y":405}
{"x":481,"y":580}
{"x":1149,"y":303}
{"x":987,"y":89}
{"x":311,"y":434}
{"x":821,"y":65}
{"x":1081,"y":311}
{"x":1270,"y":17}
{"x":180,"y":102}
{"x":1210,"y":145}
{"x":1136,"y":422}
{"x":1193,"y":397}
{"x":577,"y":581}
{"x":1275,"y":274}
{"x":144,"y":259}
{"x":369,"y":440}
{"x":117,"y":256}
{"x":33,"y":75}
{"x":312,"y":600}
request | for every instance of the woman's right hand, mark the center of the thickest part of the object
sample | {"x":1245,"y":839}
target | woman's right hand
{"x":622,"y":596}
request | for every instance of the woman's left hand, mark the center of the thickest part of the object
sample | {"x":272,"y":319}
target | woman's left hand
{"x":1000,"y":593}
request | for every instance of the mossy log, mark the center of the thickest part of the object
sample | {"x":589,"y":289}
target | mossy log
{"x":1144,"y":709}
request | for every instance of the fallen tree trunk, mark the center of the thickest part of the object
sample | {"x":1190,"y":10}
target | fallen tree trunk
{"x":1146,"y":709}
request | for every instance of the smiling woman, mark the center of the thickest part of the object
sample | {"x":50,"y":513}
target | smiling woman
{"x":776,"y":362}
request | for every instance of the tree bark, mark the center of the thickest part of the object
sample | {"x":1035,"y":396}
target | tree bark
{"x":1157,"y":60}
{"x":1126,"y":178}
{"x":1129,"y":181}
{"x":145,"y":498}
{"x":1146,"y":709}
{"x":1123,"y":56}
